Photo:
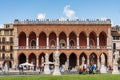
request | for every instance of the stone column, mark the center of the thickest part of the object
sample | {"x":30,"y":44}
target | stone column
{"x":37,"y":62}
{"x":67,"y":42}
{"x":57,"y":43}
{"x":88,"y":46}
{"x":78,"y":47}
{"x":88,"y":62}
{"x":37,"y":43}
{"x":27,"y":42}
{"x":47,"y":43}
{"x":98,"y":46}
{"x":98,"y":63}
{"x":17,"y":43}
{"x":78,"y":61}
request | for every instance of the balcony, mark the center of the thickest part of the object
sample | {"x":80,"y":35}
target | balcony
{"x":6,"y":58}
{"x":6,"y":42}
{"x":63,"y":47}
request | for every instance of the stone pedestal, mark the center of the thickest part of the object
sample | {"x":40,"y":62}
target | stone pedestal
{"x":56,"y":70}
{"x":115,"y":69}
{"x":103,"y":69}
{"x":46,"y":69}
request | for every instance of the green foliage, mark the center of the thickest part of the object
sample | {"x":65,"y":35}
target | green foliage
{"x":64,"y":77}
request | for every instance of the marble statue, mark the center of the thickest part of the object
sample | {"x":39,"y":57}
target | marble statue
{"x":46,"y":67}
{"x":102,"y":59}
{"x":83,"y":60}
{"x":115,"y":63}
{"x":103,"y":68}
{"x":56,"y":63}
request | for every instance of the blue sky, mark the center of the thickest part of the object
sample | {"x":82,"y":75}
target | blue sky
{"x":59,"y":9}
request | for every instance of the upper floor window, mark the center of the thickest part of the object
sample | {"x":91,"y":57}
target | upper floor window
{"x":3,"y":39}
{"x":6,"y":32}
{"x":11,"y":39}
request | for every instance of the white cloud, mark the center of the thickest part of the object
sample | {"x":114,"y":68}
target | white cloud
{"x":41,"y":16}
{"x":1,"y":25}
{"x":69,"y":13}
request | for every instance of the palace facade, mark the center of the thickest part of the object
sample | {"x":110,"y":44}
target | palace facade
{"x":74,"y":39}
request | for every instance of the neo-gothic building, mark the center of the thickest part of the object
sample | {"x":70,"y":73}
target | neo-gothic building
{"x":74,"y":39}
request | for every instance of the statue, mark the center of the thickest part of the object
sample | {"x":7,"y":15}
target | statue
{"x":116,"y":55}
{"x":56,"y":57}
{"x":46,"y":57}
{"x":46,"y":67}
{"x":83,"y":60}
{"x":103,"y":68}
{"x":115,"y":63}
{"x":56,"y":63}
{"x":102,"y":59}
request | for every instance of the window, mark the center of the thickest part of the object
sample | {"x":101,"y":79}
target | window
{"x":11,"y":56}
{"x":11,"y":48}
{"x":114,"y":46}
{"x":3,"y":48}
{"x":3,"y":56}
{"x":7,"y":32}
{"x":11,"y":40}
{"x":3,"y":40}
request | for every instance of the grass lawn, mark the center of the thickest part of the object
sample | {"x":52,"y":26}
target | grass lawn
{"x":63,"y":77}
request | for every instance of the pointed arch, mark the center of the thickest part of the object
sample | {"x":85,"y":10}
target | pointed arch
{"x":106,"y":58}
{"x":72,"y":39}
{"x":93,"y":39}
{"x":102,"y":39}
{"x":72,"y":60}
{"x":42,"y":39}
{"x":63,"y":58}
{"x":83,"y":39}
{"x":52,"y":39}
{"x":62,"y":39}
{"x":32,"y":59}
{"x":93,"y":59}
{"x":80,"y":58}
{"x":22,"y":39}
{"x":40,"y":58}
{"x":32,"y":39}
{"x":21,"y":58}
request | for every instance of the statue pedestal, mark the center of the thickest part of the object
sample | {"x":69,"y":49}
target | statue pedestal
{"x":46,"y":69}
{"x":103,"y":69}
{"x":115,"y":69}
{"x":56,"y":70}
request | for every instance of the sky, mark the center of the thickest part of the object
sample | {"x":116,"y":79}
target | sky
{"x":59,"y":9}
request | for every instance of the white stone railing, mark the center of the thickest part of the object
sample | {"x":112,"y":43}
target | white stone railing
{"x":54,"y":47}
{"x":67,"y":21}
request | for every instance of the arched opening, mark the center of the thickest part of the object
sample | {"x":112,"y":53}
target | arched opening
{"x":93,"y":59}
{"x":8,"y":63}
{"x":33,"y":43}
{"x":22,"y":58}
{"x":72,"y":43}
{"x":105,"y":58}
{"x":72,"y":38}
{"x":32,"y":59}
{"x":51,"y":57}
{"x":32,"y":39}
{"x":62,"y":43}
{"x":42,"y":39}
{"x":22,"y":39}
{"x":81,"y":58}
{"x":82,"y":39}
{"x":102,"y":39}
{"x":52,"y":39}
{"x":63,"y":59}
{"x":62,"y":39}
{"x":93,"y":39}
{"x":72,"y":60}
{"x":41,"y":58}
